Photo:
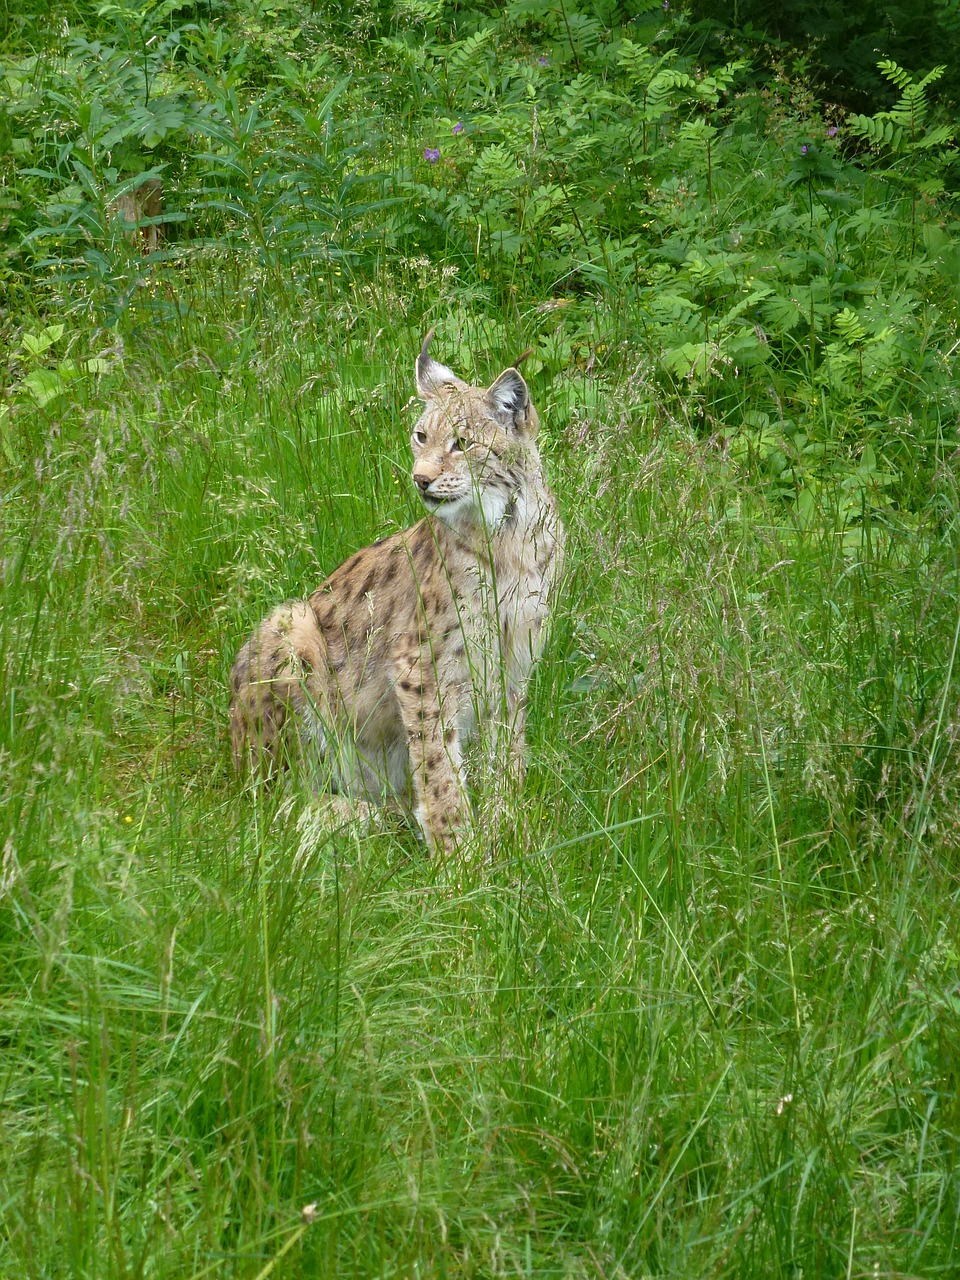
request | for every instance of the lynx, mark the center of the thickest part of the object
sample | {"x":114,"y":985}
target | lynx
{"x":138,"y":212}
{"x":416,"y":642}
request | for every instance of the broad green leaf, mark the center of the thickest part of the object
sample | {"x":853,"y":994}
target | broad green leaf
{"x":37,"y":343}
{"x":44,"y":385}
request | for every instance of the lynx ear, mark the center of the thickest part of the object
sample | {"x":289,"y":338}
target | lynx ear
{"x":509,"y":397}
{"x":430,"y":375}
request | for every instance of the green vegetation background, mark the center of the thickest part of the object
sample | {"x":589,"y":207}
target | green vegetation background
{"x":693,"y":1008}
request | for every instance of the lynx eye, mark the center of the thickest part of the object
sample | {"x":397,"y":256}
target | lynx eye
{"x":460,"y":445}
{"x":419,"y":439}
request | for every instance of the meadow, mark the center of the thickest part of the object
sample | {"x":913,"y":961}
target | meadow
{"x":693,"y":1008}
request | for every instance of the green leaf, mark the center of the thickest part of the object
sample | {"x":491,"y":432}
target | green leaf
{"x":692,"y":360}
{"x":781,"y":314}
{"x":37,"y":343}
{"x":893,"y":72}
{"x":673,"y":306}
{"x":6,"y":440}
{"x":163,"y":116}
{"x":936,"y":137}
{"x":44,"y":385}
{"x":849,"y":326}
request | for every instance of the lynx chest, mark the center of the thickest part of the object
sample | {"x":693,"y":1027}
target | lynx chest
{"x":502,"y":610}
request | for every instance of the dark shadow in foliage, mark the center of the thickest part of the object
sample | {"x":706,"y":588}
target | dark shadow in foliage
{"x":843,"y":41}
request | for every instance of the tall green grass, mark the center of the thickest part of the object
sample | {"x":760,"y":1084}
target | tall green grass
{"x":691,"y":1006}
{"x":695,"y":1010}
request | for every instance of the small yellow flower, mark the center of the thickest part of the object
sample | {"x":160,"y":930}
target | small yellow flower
{"x":128,"y":818}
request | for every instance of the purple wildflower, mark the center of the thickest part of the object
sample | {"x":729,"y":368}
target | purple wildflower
{"x":543,"y":61}
{"x":432,"y":154}
{"x":804,"y":149}
{"x":458,"y":127}
{"x":666,"y":4}
{"x":832,"y":131}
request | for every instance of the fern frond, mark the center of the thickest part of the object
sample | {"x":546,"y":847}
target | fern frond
{"x":911,"y":110}
{"x":879,"y":130}
{"x":938,"y":137}
{"x":465,"y":54}
{"x":668,"y":79}
{"x":723,"y":77}
{"x":931,"y":77}
{"x":662,"y":88}
{"x":896,"y":74}
{"x":744,"y":305}
{"x":850,"y":327}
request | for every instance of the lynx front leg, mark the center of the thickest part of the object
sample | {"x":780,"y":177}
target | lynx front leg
{"x":506,"y":741}
{"x":506,"y":764}
{"x":443,"y":810}
{"x":436,"y":761}
{"x":513,"y":737}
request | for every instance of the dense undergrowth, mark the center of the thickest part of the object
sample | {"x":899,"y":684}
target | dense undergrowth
{"x":696,"y":1010}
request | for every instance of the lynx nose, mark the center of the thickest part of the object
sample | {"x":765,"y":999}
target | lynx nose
{"x":422,"y":482}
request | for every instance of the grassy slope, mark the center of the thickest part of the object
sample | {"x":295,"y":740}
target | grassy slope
{"x":693,"y":1013}
{"x":695,"y":1016}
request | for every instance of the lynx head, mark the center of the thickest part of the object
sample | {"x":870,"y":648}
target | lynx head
{"x":471,"y":447}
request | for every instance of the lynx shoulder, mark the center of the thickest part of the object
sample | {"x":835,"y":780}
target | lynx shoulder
{"x":379,"y":678}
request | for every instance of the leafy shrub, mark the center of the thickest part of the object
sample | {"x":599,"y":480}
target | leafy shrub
{"x":579,"y":165}
{"x":726,"y":232}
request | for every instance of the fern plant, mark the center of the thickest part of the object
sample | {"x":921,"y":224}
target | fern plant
{"x":901,"y":129}
{"x":551,"y":173}
{"x":916,"y":151}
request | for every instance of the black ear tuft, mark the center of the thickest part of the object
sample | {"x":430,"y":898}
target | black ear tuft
{"x":431,"y":376}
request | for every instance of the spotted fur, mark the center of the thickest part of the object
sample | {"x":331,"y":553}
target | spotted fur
{"x":379,"y":678}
